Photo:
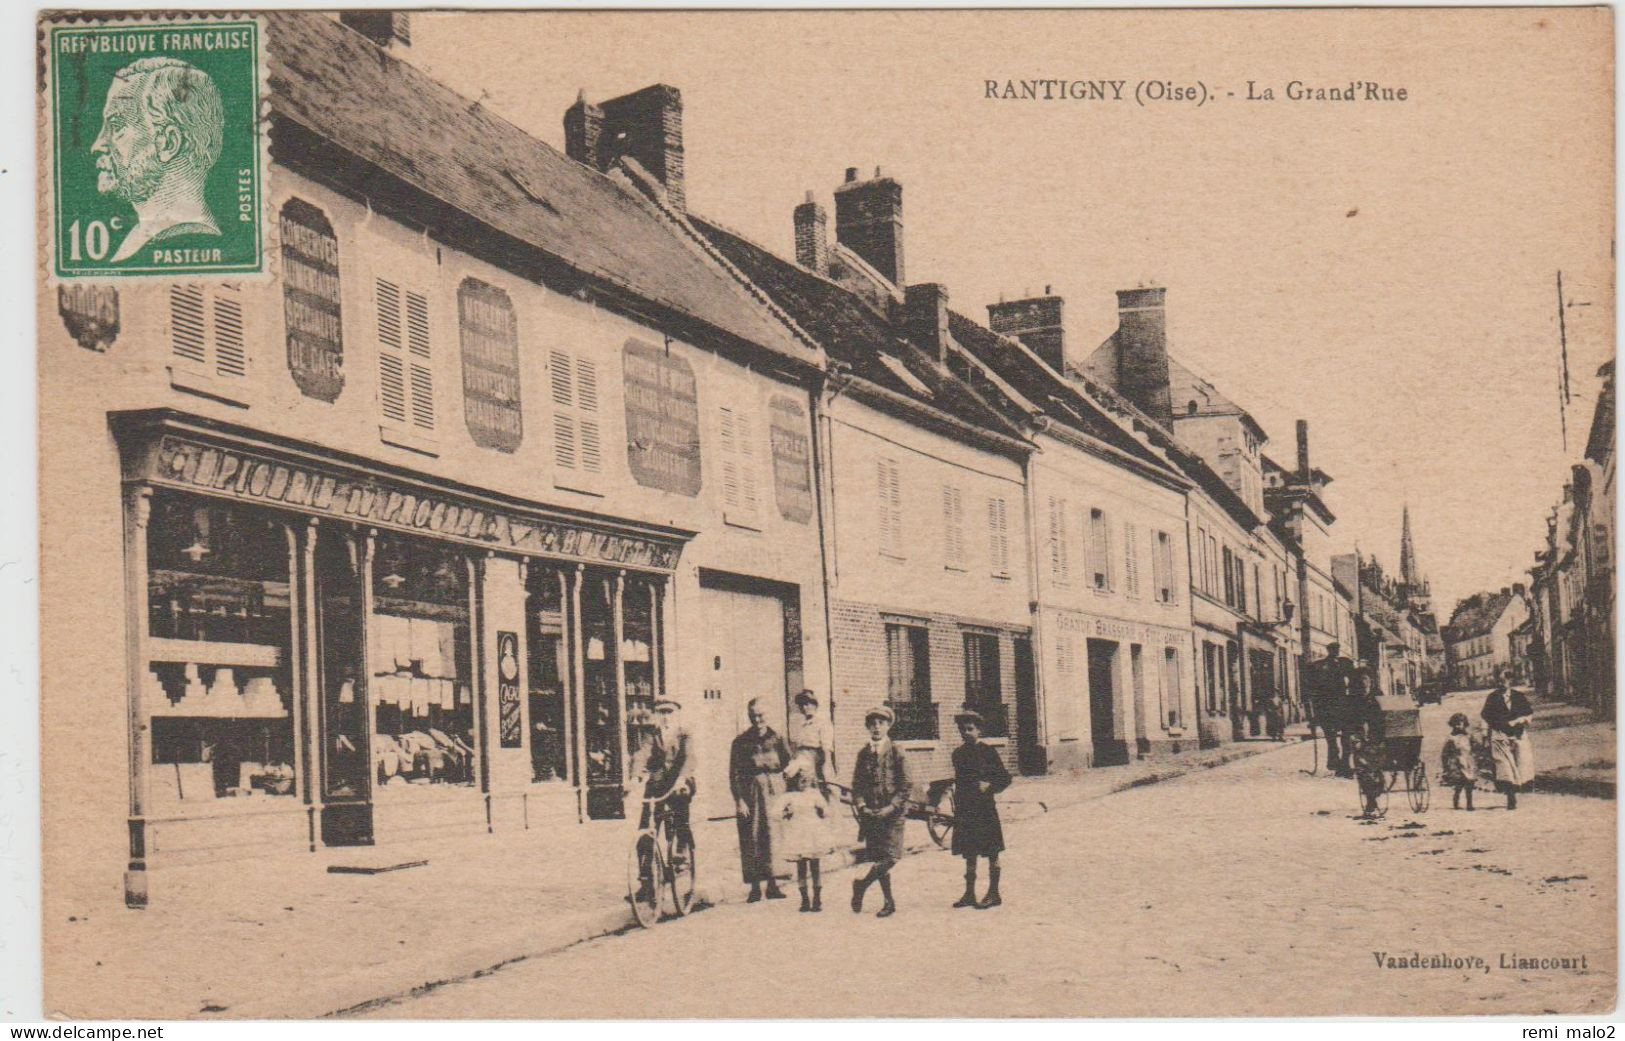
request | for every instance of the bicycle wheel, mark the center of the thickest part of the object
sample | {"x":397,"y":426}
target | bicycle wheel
{"x":642,"y":863}
{"x":681,"y":873}
{"x":939,"y":820}
{"x":1419,"y":792}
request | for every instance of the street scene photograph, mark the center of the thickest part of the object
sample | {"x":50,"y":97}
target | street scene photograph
{"x":521,"y":538}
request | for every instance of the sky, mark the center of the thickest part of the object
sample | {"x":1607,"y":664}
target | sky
{"x":1385,"y":270}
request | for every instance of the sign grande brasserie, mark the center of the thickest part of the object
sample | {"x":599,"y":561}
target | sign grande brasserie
{"x":184,"y":464}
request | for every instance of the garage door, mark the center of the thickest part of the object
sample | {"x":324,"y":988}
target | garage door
{"x":744,"y":658}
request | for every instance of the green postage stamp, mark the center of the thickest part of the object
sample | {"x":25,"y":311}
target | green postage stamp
{"x":156,"y":150}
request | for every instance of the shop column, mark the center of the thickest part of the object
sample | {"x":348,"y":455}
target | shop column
{"x":137,"y":512}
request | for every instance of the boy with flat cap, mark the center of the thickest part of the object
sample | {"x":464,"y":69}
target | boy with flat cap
{"x":880,"y":795}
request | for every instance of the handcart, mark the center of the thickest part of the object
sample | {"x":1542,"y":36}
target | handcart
{"x":1390,"y":753}
{"x":937,"y":811}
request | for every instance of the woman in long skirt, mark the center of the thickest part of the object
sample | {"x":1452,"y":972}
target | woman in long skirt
{"x":1508,"y":714}
{"x":979,"y":776}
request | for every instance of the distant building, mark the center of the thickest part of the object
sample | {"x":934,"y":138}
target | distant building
{"x":1571,"y":651}
{"x":1478,"y":640}
{"x":1242,"y":573}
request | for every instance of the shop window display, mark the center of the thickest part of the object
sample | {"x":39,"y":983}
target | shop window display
{"x":419,"y":655}
{"x":603,"y":717}
{"x":639,"y":650}
{"x":547,"y":674}
{"x":218,"y":684}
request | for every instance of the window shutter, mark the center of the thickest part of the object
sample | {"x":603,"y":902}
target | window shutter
{"x":883,"y":501}
{"x":230,"y":351}
{"x":206,"y":329}
{"x":891,"y":507}
{"x":578,"y":443}
{"x":1131,"y":560}
{"x":743,"y":443}
{"x":953,"y":527}
{"x":419,"y":362}
{"x":188,"y":338}
{"x":730,"y":466}
{"x":392,"y":393}
{"x":998,"y":529}
{"x":587,"y":417}
{"x":561,"y":377}
{"x":1059,"y":566}
{"x":739,"y":483}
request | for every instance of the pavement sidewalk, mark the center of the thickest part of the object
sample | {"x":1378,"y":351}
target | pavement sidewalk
{"x":281,"y":937}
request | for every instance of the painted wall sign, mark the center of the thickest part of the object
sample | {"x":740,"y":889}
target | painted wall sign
{"x":490,"y":340}
{"x":792,"y":474}
{"x":181,"y":463}
{"x":662,"y":419}
{"x":311,"y":301}
{"x":510,"y":717}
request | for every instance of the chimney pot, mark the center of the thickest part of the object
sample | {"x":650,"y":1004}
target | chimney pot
{"x":1303,"y":450}
{"x":851,"y":174}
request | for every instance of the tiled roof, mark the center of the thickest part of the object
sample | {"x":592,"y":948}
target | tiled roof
{"x":1013,"y":363}
{"x":396,"y":119}
{"x":854,"y":333}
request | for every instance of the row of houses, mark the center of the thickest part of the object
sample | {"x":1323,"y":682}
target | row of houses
{"x":408,"y":539}
{"x":1565,"y":647}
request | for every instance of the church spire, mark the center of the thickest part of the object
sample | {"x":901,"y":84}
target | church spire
{"x":1407,"y":552}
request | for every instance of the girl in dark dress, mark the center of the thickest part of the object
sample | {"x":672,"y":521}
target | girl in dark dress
{"x":979,"y":775}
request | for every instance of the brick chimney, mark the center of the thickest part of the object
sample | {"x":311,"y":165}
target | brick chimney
{"x":1142,"y":352}
{"x":1036,"y":322}
{"x":645,"y":125}
{"x":381,"y":27}
{"x":925,"y":318}
{"x":583,"y":126}
{"x":869,"y":221}
{"x":1303,"y":451}
{"x":812,"y":236}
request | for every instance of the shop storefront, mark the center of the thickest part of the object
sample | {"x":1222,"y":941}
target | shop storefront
{"x":322,"y":652}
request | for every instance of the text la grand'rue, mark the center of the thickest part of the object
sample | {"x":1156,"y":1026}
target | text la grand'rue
{"x":1353,"y":90}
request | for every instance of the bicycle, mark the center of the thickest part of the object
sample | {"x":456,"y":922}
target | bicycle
{"x":660,"y":865}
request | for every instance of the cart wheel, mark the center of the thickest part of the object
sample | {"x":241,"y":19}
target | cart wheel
{"x":939,"y":819}
{"x":682,"y":871}
{"x":642,"y":889}
{"x":1419,"y":791}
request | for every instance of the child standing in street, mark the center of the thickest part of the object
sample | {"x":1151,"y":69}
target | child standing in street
{"x":1456,"y":758}
{"x":979,"y":776}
